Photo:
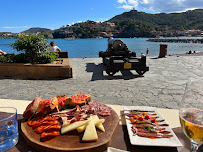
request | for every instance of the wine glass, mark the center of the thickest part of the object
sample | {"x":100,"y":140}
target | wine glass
{"x":191,"y":113}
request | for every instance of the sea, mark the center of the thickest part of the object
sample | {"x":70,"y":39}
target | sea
{"x":89,"y":48}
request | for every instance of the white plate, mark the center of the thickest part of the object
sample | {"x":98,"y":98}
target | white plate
{"x":111,"y":149}
{"x":137,"y":140}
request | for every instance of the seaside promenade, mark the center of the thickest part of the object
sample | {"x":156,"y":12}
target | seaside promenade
{"x":162,"y":86}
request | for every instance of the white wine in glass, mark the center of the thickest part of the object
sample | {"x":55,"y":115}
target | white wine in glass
{"x":191,"y":113}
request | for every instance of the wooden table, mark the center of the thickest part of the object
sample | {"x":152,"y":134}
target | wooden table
{"x":121,"y":139}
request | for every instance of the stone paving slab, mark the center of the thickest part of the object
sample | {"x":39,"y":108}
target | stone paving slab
{"x":162,"y":86}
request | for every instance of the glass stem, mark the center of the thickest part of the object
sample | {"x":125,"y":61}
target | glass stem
{"x":194,"y":146}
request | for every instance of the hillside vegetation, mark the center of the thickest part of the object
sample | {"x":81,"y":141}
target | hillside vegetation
{"x":131,"y":24}
{"x":35,"y":30}
{"x":187,"y":20}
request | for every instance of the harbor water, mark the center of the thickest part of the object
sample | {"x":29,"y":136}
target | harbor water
{"x":80,"y":48}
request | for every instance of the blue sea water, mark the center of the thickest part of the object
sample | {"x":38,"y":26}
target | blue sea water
{"x":80,"y":48}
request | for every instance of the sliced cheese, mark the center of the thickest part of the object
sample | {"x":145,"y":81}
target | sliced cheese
{"x":90,"y":133}
{"x":73,"y":126}
{"x":98,"y":125}
{"x":82,"y":128}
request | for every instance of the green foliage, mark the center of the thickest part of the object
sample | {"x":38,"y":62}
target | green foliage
{"x":47,"y":57}
{"x":176,"y":21}
{"x":31,"y":45}
{"x":133,"y":29}
{"x":86,"y":32}
{"x":22,"y":58}
{"x":42,"y":58}
{"x":35,"y":30}
{"x":2,"y":59}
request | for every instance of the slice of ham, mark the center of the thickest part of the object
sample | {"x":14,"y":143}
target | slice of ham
{"x":32,"y":108}
{"x":153,"y":135}
{"x":99,"y":108}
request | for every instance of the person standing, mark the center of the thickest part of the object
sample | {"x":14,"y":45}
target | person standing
{"x":147,"y":52}
{"x":53,"y":47}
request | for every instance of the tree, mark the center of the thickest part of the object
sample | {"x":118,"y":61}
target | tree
{"x":31,"y":45}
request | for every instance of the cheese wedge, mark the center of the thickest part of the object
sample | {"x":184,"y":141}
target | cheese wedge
{"x":73,"y":126}
{"x":82,"y":128}
{"x":90,"y":134}
{"x":98,"y":125}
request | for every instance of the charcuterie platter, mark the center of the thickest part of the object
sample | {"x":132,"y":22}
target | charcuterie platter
{"x":146,"y":127}
{"x":51,"y":125}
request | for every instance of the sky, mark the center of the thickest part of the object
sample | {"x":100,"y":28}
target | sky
{"x":20,"y":15}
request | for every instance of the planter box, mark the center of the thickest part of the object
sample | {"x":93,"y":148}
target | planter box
{"x":61,"y":68}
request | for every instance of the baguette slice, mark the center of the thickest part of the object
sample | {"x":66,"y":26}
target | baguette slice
{"x":32,"y":108}
{"x":90,"y":134}
{"x":78,"y":99}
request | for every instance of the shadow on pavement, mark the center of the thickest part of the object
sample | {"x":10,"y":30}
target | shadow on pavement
{"x":98,"y":70}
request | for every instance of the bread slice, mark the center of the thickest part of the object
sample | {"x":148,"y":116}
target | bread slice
{"x":32,"y":108}
{"x":78,"y":99}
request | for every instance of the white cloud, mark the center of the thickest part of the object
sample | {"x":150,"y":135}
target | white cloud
{"x":121,"y":1}
{"x":145,"y":2}
{"x":8,"y":27}
{"x":164,"y":6}
{"x":126,"y":7}
{"x":133,"y":2}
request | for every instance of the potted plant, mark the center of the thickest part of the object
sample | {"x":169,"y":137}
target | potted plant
{"x":34,"y":49}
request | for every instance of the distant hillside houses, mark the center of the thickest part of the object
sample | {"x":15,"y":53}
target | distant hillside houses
{"x":88,"y":29}
{"x":170,"y":33}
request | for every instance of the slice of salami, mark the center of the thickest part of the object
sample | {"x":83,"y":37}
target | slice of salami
{"x":100,"y":108}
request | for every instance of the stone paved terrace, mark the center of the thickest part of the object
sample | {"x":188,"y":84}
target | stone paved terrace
{"x":162,"y":86}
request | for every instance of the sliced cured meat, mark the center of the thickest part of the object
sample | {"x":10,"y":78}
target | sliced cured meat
{"x":48,"y":128}
{"x":32,"y":108}
{"x":49,"y":135}
{"x":39,"y":120}
{"x":46,"y":123}
{"x":154,"y":135}
{"x":98,"y":108}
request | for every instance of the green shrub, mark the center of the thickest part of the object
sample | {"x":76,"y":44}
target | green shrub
{"x":3,"y":59}
{"x":32,"y":45}
{"x":9,"y":57}
{"x":42,"y":58}
{"x":47,"y":57}
{"x":22,"y":58}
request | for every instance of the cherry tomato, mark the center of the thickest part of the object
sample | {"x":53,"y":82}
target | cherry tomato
{"x":144,"y":113}
{"x":147,"y":117}
{"x":153,"y":120}
{"x":141,"y":118}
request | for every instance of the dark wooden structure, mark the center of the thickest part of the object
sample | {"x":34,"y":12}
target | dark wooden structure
{"x":63,"y":54}
{"x":163,"y":50}
{"x":117,"y":58}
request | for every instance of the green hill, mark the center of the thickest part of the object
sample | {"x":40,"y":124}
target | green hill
{"x":35,"y":30}
{"x":187,"y":20}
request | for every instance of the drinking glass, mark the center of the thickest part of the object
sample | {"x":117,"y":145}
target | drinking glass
{"x":8,"y":128}
{"x":191,"y":113}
